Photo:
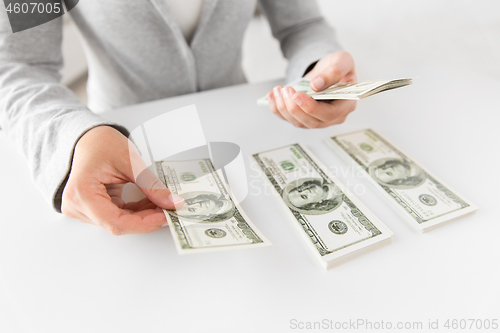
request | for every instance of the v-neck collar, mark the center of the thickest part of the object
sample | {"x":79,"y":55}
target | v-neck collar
{"x":165,"y":11}
{"x":206,"y":13}
{"x":187,"y":48}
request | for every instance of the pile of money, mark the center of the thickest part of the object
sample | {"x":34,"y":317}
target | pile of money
{"x":209,"y":220}
{"x":352,"y":90}
{"x":333,"y":222}
{"x":420,"y":197}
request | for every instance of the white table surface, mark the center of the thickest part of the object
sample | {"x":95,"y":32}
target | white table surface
{"x":60,"y":275}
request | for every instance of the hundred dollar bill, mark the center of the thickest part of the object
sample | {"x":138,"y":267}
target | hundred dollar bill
{"x":423,"y":199}
{"x":209,"y":219}
{"x":352,"y":90}
{"x":334,"y":222}
{"x":300,"y":85}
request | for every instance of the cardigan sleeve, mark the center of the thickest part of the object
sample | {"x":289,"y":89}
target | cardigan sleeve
{"x":304,"y":35}
{"x":42,"y":117}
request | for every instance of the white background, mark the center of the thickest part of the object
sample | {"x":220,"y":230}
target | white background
{"x":59,"y":275}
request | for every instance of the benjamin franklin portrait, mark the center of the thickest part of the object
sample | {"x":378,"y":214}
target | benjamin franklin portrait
{"x":204,"y":207}
{"x":312,"y":196}
{"x":397,"y":173}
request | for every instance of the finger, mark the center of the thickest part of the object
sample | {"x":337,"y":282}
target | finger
{"x":147,"y":206}
{"x":114,"y":189}
{"x":138,"y":205}
{"x":294,"y":109}
{"x":98,"y":207}
{"x":152,"y":187}
{"x":152,"y":214}
{"x":280,"y":103}
{"x":118,"y":201}
{"x":136,"y":170}
{"x":339,"y":65}
{"x":272,"y":105}
{"x":115,"y":192}
{"x":326,"y":112}
{"x":351,"y":77}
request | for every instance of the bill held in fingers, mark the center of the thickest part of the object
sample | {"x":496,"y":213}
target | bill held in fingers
{"x":347,"y":90}
{"x":209,"y":220}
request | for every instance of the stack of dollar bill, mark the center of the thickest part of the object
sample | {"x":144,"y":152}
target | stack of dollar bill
{"x":209,"y":220}
{"x":332,"y":221}
{"x":352,"y":90}
{"x":422,"y":199}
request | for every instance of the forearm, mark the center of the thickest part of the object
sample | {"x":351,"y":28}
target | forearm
{"x":44,"y":120}
{"x":313,"y":42}
{"x":303,"y":34}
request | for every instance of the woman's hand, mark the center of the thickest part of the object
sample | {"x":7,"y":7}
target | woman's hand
{"x":302,"y":110}
{"x":104,"y":160}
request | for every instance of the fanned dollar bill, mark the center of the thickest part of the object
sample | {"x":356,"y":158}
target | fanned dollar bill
{"x":209,"y":219}
{"x":334,"y":222}
{"x":423,"y":199}
{"x":352,"y":90}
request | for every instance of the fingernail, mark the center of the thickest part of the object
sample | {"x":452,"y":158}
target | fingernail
{"x":284,"y":91}
{"x":297,"y":101}
{"x":318,"y":83}
{"x":164,"y":225}
{"x":276,"y":92}
{"x":177,"y":200}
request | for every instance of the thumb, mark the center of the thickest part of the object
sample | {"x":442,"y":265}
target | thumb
{"x":148,"y":183}
{"x":156,"y":191}
{"x":332,"y":70}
